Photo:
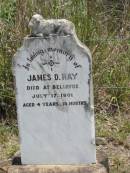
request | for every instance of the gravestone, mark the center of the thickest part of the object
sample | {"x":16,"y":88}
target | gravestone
{"x":54,"y":95}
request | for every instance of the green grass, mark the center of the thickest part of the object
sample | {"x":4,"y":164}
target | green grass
{"x":116,"y":129}
{"x":111,"y":62}
{"x":8,"y":140}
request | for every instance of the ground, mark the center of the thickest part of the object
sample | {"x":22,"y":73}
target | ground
{"x":114,"y":133}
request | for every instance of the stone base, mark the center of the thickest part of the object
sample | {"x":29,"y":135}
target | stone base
{"x":101,"y":158}
{"x":15,"y":166}
{"x":93,"y":168}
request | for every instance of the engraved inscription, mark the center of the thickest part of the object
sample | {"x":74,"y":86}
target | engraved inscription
{"x":58,"y":86}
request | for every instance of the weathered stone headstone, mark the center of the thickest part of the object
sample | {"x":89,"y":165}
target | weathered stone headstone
{"x":54,"y":95}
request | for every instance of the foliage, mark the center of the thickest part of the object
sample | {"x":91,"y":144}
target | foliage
{"x":7,"y":10}
{"x":8,"y":140}
{"x":101,"y":26}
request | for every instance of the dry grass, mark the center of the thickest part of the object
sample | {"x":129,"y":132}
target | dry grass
{"x":8,"y":140}
{"x":97,"y":25}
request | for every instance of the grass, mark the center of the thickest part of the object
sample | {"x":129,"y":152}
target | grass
{"x":114,"y":129}
{"x":8,"y":140}
{"x":111,"y":62}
